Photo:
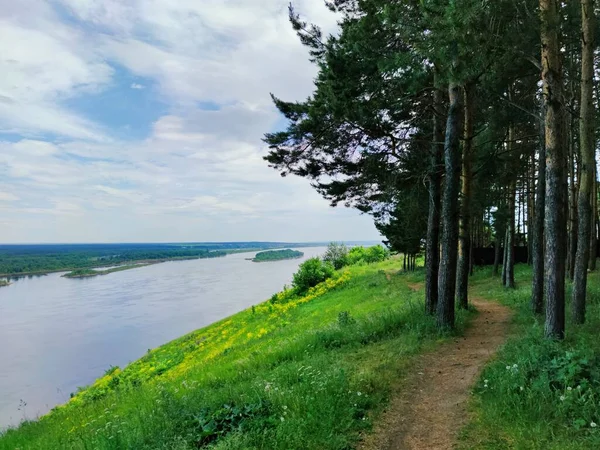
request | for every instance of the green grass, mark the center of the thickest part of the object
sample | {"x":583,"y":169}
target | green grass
{"x":302,"y":372}
{"x":538,"y":394}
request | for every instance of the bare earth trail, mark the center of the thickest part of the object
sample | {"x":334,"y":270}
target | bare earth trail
{"x":431,"y":407}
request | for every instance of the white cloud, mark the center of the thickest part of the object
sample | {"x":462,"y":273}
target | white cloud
{"x":199,"y":174}
{"x":8,"y":197}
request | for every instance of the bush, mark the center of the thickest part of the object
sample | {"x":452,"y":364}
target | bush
{"x":336,"y":255}
{"x":310,"y":273}
{"x":376,"y":253}
{"x":367,"y":255}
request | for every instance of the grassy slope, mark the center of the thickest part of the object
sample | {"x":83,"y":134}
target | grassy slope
{"x":539,"y":394}
{"x":294,"y":376}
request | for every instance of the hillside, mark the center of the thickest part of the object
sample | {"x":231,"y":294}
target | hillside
{"x":309,"y":373}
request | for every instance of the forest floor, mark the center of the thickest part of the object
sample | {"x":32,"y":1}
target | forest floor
{"x":430,"y":408}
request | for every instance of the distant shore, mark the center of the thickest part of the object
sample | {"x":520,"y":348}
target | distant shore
{"x":89,"y":273}
{"x":277,"y":255}
{"x":131,"y":265}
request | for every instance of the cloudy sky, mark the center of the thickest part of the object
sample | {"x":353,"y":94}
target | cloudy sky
{"x":141,"y":120}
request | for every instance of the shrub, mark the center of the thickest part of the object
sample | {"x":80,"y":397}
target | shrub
{"x":310,"y":273}
{"x":376,"y":253}
{"x":336,"y":255}
{"x":373,"y":254}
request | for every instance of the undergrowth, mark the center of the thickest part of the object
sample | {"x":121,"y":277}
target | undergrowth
{"x":538,"y":394}
{"x":291,"y":373}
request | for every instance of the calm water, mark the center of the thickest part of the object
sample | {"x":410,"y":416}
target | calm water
{"x":57,"y":334}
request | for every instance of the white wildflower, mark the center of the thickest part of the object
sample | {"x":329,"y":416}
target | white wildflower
{"x":569,"y":388}
{"x":562,"y":398}
{"x":593,"y":425}
{"x":359,"y":393}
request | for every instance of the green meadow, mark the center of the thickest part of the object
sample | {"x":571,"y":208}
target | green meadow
{"x":537,"y":393}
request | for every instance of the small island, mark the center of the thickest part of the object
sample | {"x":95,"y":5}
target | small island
{"x":87,"y":273}
{"x":4,"y":283}
{"x":277,"y":255}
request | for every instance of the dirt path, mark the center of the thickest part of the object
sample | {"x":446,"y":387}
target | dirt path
{"x":431,"y":407}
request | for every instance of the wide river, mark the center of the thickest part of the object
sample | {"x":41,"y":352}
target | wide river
{"x":57,"y":334}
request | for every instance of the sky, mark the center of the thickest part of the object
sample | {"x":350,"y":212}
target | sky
{"x":142,"y":120}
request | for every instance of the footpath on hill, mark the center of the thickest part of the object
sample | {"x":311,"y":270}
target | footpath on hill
{"x":431,"y":407}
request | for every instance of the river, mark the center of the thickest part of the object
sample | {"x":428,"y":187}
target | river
{"x":57,"y":334}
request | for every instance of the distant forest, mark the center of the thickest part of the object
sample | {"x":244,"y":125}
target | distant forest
{"x":23,"y":259}
{"x":277,"y":255}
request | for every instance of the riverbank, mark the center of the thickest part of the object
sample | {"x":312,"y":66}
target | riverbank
{"x":89,"y":273}
{"x":133,"y":265}
{"x":4,"y":283}
{"x":310,"y":373}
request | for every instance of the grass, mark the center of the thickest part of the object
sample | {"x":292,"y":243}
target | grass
{"x":538,"y":394}
{"x":291,"y":373}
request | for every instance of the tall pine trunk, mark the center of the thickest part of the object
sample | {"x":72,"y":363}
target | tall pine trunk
{"x":464,"y":242}
{"x":447,"y":274}
{"x":497,"y":250}
{"x":573,"y":200}
{"x":588,"y":161}
{"x":530,"y":208}
{"x":537,"y":247}
{"x":594,"y":224}
{"x":556,"y":187}
{"x":433,"y":222}
{"x":509,"y":279}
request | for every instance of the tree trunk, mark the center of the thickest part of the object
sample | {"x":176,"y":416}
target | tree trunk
{"x":573,"y":200}
{"x":464,"y":242}
{"x":556,"y":186}
{"x":433,"y":222}
{"x":594,"y":224}
{"x":504,"y":255}
{"x":588,"y":162}
{"x":497,"y":254}
{"x":530,"y":209}
{"x":537,"y":247}
{"x":447,"y":274}
{"x":509,"y":281}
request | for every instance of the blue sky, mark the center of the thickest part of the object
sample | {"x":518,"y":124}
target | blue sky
{"x":141,"y":120}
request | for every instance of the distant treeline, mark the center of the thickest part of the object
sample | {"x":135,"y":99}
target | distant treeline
{"x":48,"y":258}
{"x":276,"y":255}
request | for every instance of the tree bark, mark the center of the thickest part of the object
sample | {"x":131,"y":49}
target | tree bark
{"x":573,"y":200}
{"x":509,"y":281}
{"x":530,"y":208}
{"x":556,"y":186}
{"x":537,"y":247}
{"x":464,"y":242}
{"x":594,"y":224}
{"x":588,"y":162}
{"x":498,"y":248}
{"x":447,"y":274}
{"x":433,"y":222}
